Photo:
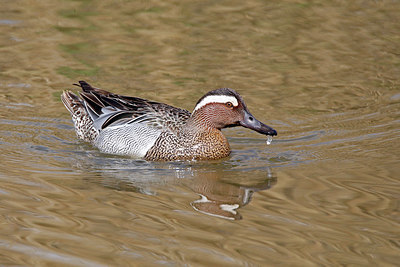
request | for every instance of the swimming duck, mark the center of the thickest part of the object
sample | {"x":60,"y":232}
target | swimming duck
{"x":146,"y":129}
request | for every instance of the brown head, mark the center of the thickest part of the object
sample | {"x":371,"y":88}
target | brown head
{"x":224,"y":108}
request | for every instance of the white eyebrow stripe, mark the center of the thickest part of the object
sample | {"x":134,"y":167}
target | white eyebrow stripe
{"x":217,"y":99}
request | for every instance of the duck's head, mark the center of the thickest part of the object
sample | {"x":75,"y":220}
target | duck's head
{"x":224,"y":108}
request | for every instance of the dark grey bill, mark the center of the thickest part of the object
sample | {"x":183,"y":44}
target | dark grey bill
{"x":252,"y":123}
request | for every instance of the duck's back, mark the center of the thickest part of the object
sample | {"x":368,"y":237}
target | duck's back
{"x":119,"y":124}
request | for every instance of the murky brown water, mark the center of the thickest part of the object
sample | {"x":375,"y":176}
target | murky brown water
{"x":325,"y":74}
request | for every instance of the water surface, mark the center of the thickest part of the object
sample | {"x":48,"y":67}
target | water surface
{"x":325,"y":74}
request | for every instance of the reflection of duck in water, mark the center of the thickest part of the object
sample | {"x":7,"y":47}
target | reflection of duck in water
{"x":155,"y":131}
{"x":222,"y":191}
{"x":222,"y":198}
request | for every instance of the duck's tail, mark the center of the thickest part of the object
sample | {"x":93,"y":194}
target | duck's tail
{"x":84,"y":126}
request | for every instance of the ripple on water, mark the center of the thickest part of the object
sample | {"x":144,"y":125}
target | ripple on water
{"x":9,"y":22}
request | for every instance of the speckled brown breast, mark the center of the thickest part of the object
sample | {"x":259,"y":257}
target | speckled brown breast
{"x":209,"y":144}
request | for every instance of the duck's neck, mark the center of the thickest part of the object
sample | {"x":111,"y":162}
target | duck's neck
{"x":201,"y":121}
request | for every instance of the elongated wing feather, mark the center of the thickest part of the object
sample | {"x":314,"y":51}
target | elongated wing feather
{"x":108,"y":109}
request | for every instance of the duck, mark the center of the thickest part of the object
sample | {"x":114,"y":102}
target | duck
{"x":140,"y":128}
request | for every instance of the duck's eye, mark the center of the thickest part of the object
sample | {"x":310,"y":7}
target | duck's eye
{"x":229,"y":104}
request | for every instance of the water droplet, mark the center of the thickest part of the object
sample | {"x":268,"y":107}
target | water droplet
{"x":269,"y":140}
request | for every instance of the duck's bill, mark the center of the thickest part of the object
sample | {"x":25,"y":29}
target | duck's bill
{"x":252,"y":123}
